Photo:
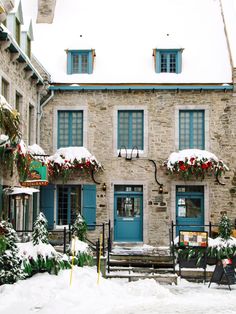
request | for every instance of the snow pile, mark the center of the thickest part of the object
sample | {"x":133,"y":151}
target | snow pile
{"x":78,"y":247}
{"x":4,"y":104}
{"x":49,"y":294}
{"x":220,"y":243}
{"x":28,"y":250}
{"x":35,"y":149}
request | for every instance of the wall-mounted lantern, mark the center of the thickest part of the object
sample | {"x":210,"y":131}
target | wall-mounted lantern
{"x":131,"y":154}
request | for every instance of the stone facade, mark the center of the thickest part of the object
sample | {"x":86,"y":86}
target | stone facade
{"x":23,"y":93}
{"x":161,"y":138}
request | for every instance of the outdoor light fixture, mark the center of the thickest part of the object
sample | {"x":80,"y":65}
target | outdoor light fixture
{"x":126,"y":152}
{"x":155,"y":174}
{"x":104,"y":187}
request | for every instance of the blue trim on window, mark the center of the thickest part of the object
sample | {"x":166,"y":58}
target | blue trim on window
{"x":167,"y":53}
{"x":70,"y":124}
{"x":142,"y":87}
{"x":190,"y":135}
{"x":131,"y":141}
{"x":71,"y":54}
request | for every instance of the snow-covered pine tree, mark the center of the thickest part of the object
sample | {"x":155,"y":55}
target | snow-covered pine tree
{"x":40,"y":232}
{"x":225,"y":227}
{"x":79,"y":228}
{"x":10,"y":262}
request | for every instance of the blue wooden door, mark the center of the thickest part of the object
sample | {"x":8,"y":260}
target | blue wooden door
{"x":128,"y":217}
{"x":189,"y":211}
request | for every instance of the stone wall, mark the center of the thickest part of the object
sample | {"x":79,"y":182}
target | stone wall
{"x":161,"y":130}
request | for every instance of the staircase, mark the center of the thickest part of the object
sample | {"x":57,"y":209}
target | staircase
{"x":134,"y":263}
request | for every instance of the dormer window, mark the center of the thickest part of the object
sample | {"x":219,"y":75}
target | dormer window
{"x":168,"y":61}
{"x":80,"y":61}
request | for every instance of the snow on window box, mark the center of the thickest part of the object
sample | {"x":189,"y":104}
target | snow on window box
{"x":70,"y":160}
{"x":196,"y":163}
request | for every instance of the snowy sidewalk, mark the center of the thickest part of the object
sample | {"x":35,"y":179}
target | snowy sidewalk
{"x":47,"y":294}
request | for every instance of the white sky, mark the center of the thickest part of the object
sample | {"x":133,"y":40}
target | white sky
{"x":49,"y":294}
{"x":124,"y":33}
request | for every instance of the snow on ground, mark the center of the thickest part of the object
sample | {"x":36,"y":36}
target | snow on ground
{"x":48,"y":294}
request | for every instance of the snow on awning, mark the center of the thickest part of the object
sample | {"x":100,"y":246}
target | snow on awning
{"x":195,"y":163}
{"x":67,"y":155}
{"x":70,"y":160}
{"x":20,"y":190}
{"x":189,"y":155}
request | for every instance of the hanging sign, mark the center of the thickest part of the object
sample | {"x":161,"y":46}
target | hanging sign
{"x":193,"y":238}
{"x":37,"y":174}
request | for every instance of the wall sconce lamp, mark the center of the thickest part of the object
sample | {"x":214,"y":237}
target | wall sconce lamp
{"x":104,"y":187}
{"x":155,"y":174}
{"x":126,"y":152}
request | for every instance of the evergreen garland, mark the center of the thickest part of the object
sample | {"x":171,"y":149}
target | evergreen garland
{"x":40,"y":232}
{"x":79,"y":228}
{"x":10,"y":262}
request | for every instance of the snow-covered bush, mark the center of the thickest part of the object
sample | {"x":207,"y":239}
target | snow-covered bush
{"x":82,"y":253}
{"x":10,"y":262}
{"x":40,"y":258}
{"x":40,"y":232}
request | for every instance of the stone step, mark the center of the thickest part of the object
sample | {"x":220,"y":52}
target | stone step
{"x":141,"y":260}
{"x":160,"y":278}
{"x":144,"y":270}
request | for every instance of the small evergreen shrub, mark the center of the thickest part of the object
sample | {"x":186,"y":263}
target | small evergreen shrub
{"x":225,"y":227}
{"x":40,"y":232}
{"x":10,"y":262}
{"x":79,"y":228}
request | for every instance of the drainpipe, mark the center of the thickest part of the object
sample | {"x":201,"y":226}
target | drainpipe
{"x":40,"y":112}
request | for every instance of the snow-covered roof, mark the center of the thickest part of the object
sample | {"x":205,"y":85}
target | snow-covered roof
{"x":124,"y":34}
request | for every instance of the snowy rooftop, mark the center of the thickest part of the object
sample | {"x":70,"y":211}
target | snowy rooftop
{"x":124,"y":34}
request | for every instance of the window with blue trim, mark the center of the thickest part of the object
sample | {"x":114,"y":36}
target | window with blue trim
{"x":168,"y":61}
{"x":130,"y":129}
{"x":70,"y":128}
{"x":191,"y":129}
{"x":80,"y":61}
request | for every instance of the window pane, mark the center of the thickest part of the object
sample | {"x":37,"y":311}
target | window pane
{"x":130,"y":129}
{"x":75,"y":63}
{"x":84,"y":63}
{"x":172,"y":62}
{"x":163,"y":62}
{"x":191,"y":129}
{"x":70,"y":128}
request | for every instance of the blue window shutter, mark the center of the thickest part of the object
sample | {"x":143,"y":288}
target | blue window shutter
{"x":47,"y":203}
{"x":69,"y":62}
{"x":158,"y":62}
{"x":89,"y":205}
{"x":90,"y":62}
{"x":179,"y":62}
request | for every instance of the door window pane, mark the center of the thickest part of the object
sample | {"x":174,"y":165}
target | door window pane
{"x":128,"y":206}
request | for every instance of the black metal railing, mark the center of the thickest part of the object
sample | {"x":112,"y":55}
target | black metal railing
{"x":62,"y":237}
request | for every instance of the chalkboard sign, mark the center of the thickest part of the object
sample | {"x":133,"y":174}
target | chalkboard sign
{"x":193,"y":238}
{"x":224,"y":273}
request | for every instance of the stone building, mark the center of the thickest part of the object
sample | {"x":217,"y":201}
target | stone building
{"x":21,"y":84}
{"x":133,"y":84}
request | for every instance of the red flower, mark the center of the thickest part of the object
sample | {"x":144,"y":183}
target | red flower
{"x":204,"y":166}
{"x":192,"y":160}
{"x":182,"y":167}
{"x":209,"y":164}
{"x":181,"y":162}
